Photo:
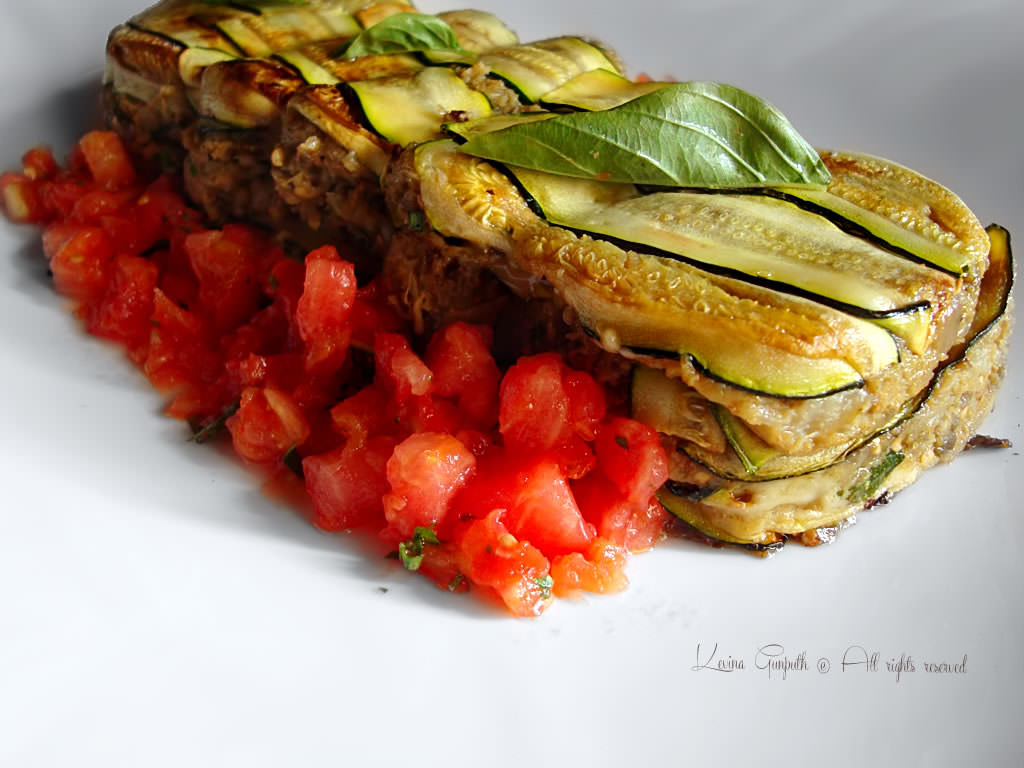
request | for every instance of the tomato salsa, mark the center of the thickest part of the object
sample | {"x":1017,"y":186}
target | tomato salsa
{"x":519,"y":483}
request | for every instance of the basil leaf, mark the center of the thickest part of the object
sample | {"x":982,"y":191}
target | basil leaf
{"x":404,"y":33}
{"x":698,"y":134}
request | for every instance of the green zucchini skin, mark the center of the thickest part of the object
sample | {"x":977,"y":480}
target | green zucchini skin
{"x":883,"y":456}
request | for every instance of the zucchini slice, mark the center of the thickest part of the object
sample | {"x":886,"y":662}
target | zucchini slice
{"x":538,"y":68}
{"x":597,"y":89}
{"x":410,"y":109}
{"x":754,"y":237}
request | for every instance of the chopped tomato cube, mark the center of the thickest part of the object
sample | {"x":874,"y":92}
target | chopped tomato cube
{"x":107,"y":159}
{"x":228,"y":292}
{"x":124,"y":313}
{"x":39,"y":164}
{"x":20,"y":199}
{"x":535,"y":497}
{"x":630,"y":454}
{"x":347,"y":484}
{"x":602,"y":570}
{"x":459,"y":356}
{"x":95,"y":204}
{"x":363,"y":415}
{"x":80,"y":261}
{"x":400,"y":371}
{"x":426,"y":471}
{"x":534,"y":408}
{"x":266,"y":425}
{"x":636,"y":526}
{"x":587,"y":405}
{"x":179,"y":352}
{"x":491,"y":556}
{"x":323,"y":309}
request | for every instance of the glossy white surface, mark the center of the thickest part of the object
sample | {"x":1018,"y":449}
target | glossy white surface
{"x":156,"y":610}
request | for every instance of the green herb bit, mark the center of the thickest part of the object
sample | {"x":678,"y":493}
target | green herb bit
{"x":622,"y":442}
{"x":404,"y":33}
{"x":293,"y":461}
{"x":458,"y":580}
{"x":411,"y":552}
{"x":866,"y":488}
{"x":546,"y":584}
{"x":416,"y":221}
{"x":212,"y":429}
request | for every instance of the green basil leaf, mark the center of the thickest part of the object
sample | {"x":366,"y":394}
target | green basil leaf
{"x":404,"y":33}
{"x":698,"y":134}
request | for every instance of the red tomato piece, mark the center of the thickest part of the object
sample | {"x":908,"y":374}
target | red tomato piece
{"x":228,"y":292}
{"x":107,"y":159}
{"x":400,"y":371}
{"x":266,"y":425}
{"x":347,"y":484}
{"x":602,"y":570}
{"x":39,"y":164}
{"x":96,"y":204}
{"x":20,"y":199}
{"x":630,"y":454}
{"x":426,"y":471}
{"x":179,"y":352}
{"x":80,"y":262}
{"x":632,"y":525}
{"x":587,"y":403}
{"x":534,"y":407}
{"x":489,"y":555}
{"x":59,"y":196}
{"x":127,"y":306}
{"x":363,"y":415}
{"x":459,"y":356}
{"x":535,"y":497}
{"x":323,"y":310}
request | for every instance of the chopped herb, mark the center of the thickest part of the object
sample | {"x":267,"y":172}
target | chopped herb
{"x":214,"y":427}
{"x":293,"y":461}
{"x":382,"y":590}
{"x":546,"y":583}
{"x":866,"y":488}
{"x":416,"y":220}
{"x":458,"y":580}
{"x":411,"y":552}
{"x":622,"y":442}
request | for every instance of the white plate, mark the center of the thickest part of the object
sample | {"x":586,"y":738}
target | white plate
{"x":156,"y":610}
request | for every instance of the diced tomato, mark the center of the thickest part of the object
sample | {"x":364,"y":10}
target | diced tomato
{"x":179,"y":352}
{"x":39,"y":164}
{"x":636,"y":526}
{"x":426,"y":471}
{"x":265,"y":333}
{"x":60,"y":195}
{"x":602,"y":570}
{"x":534,"y":409}
{"x":347,"y":484}
{"x":96,"y":204}
{"x":228,"y":292}
{"x":267,"y":425}
{"x":630,"y":454}
{"x":80,"y":261}
{"x":459,"y":357}
{"x":107,"y":159}
{"x":427,"y":413}
{"x":536,"y":499}
{"x":400,"y":371}
{"x":587,"y":405}
{"x":323,"y":309}
{"x":127,"y":305}
{"x":491,"y":556}
{"x":363,"y":415}
{"x":441,"y":564}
